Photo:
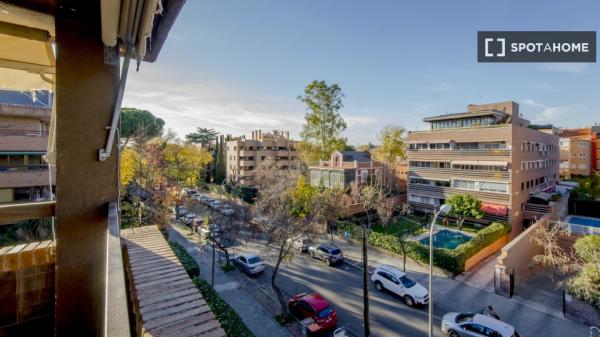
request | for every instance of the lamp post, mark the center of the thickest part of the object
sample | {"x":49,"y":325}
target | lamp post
{"x":443,"y":209}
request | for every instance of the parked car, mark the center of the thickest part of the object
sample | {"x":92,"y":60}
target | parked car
{"x":214,"y":204}
{"x":227,"y":211}
{"x":475,"y":325}
{"x":203,"y":198}
{"x":327,"y":252}
{"x":189,"y":218}
{"x":315,"y":306}
{"x":181,"y":211}
{"x":301,"y":243}
{"x":250,"y":264}
{"x":212,"y":228}
{"x":396,"y":281}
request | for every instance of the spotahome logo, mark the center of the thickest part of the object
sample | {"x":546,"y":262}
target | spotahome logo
{"x":536,"y":46}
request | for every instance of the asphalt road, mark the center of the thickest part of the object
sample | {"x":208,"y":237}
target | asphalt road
{"x":342,"y":286}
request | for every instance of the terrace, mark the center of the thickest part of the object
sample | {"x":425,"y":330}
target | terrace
{"x":75,"y":284}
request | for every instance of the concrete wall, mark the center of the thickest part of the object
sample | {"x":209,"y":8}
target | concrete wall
{"x":27,"y":289}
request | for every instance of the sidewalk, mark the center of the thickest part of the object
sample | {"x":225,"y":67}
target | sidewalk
{"x":254,"y":315}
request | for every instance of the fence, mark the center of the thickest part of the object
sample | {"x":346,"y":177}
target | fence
{"x":584,"y":207}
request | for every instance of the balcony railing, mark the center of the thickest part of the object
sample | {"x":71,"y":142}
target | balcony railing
{"x":443,"y":192}
{"x":23,"y":133}
{"x":24,"y":168}
{"x":465,"y":152}
{"x":462,"y":173}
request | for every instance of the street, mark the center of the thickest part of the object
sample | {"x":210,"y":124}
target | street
{"x":341,"y":285}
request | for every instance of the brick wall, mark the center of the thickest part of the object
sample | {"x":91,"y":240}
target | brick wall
{"x":27,"y":289}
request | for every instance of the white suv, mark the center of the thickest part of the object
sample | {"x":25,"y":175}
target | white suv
{"x":394,"y":280}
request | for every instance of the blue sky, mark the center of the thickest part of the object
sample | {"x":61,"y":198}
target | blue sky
{"x":239,"y":65}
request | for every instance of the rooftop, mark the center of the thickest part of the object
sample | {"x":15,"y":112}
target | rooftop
{"x":461,"y":115}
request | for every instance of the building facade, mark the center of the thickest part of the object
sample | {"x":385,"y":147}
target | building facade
{"x":347,"y":170}
{"x":576,"y":152}
{"x":596,"y":148}
{"x":246,"y":156}
{"x":489,"y":152}
{"x":24,"y":120}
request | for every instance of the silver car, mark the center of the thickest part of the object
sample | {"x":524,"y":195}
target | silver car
{"x":475,"y":325}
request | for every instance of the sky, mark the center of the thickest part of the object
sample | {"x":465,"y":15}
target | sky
{"x":236,"y":66}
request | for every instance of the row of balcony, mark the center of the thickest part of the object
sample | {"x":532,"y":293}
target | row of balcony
{"x":444,"y":192}
{"x":30,"y":133}
{"x":414,"y":154}
{"x":267,"y":153}
{"x":449,"y":173}
{"x":14,"y":179}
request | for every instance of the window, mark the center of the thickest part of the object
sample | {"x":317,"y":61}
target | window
{"x":582,"y":155}
{"x":493,"y":187}
{"x":582,"y":144}
{"x":463,"y":184}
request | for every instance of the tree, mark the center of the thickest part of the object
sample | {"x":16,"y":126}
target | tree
{"x":139,"y":126}
{"x":183,"y":162}
{"x":464,"y":206}
{"x":588,"y":189}
{"x":325,"y":207}
{"x":202,"y":136}
{"x":321,"y":133}
{"x":581,"y":267}
{"x":220,"y":159}
{"x":392,"y":147}
{"x":276,"y":202}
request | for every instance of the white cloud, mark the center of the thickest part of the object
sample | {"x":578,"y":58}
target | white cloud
{"x":555,"y":115}
{"x":576,"y":68}
{"x":187,"y":105}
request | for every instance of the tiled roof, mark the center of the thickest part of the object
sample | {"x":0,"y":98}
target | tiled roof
{"x":36,"y":98}
{"x":166,"y":302}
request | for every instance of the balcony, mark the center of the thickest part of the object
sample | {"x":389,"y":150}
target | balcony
{"x":449,"y":173}
{"x":476,"y":154}
{"x":24,"y":176}
{"x":246,"y":163}
{"x":445,"y":192}
{"x":19,"y":140}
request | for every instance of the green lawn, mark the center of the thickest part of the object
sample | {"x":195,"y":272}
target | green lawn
{"x":400,"y":225}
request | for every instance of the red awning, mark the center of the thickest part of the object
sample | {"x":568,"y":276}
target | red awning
{"x":494,"y":209}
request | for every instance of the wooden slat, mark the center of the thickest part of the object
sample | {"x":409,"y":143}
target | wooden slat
{"x":12,"y":213}
{"x":166,"y":301}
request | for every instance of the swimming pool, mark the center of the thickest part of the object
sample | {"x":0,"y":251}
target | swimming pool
{"x":584,"y":221}
{"x":446,"y":239}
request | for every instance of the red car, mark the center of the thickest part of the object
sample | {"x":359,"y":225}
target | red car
{"x":315,"y":306}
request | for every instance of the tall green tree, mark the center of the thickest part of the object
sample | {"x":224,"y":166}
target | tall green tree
{"x":220,"y":160}
{"x":392,"y":147}
{"x":202,"y":136}
{"x":322,"y":131}
{"x":139,"y":126}
{"x":464,"y":206}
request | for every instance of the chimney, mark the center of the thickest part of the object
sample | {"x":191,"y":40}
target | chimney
{"x":253,"y":135}
{"x":259,"y":134}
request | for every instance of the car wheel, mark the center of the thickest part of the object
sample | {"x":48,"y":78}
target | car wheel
{"x":328,"y":262}
{"x":378,"y":286}
{"x":312,"y":254}
{"x":453,"y":333}
{"x":409,"y":301}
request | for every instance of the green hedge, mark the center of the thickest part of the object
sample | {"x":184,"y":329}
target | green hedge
{"x":450,"y":260}
{"x":188,"y":262}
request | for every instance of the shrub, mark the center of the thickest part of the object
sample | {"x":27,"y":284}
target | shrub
{"x":188,"y":262}
{"x":450,"y":260}
{"x":586,"y":284}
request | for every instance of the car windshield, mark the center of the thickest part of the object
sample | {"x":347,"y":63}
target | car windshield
{"x":325,"y":312}
{"x":406,"y":282}
{"x":254,"y":259}
{"x":335,"y":251}
{"x":461,"y":318}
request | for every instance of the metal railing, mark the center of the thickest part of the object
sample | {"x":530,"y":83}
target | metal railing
{"x":438,"y":191}
{"x":23,"y":168}
{"x":464,"y":173}
{"x":472,"y":152}
{"x":537,"y":208}
{"x":576,"y":229}
{"x":30,"y":133}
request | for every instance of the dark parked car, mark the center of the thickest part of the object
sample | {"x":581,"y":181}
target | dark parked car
{"x":314,"y":306}
{"x":327,"y":252}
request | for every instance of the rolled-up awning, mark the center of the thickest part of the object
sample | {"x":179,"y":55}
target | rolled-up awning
{"x":494,"y":209}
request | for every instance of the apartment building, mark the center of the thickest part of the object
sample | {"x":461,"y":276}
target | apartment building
{"x":490,"y":152}
{"x":24,"y":120}
{"x":596,"y":148}
{"x":577,"y":152}
{"x":246,"y":156}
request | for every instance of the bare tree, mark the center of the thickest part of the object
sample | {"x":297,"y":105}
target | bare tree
{"x":326,"y":207}
{"x":274,"y":203}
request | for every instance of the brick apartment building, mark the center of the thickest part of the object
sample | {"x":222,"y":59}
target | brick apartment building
{"x":577,"y":152}
{"x":24,"y":120}
{"x":245,"y":156}
{"x":490,"y":152}
{"x":596,"y":148}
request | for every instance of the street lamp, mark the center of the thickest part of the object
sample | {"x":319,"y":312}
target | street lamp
{"x":444,"y":209}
